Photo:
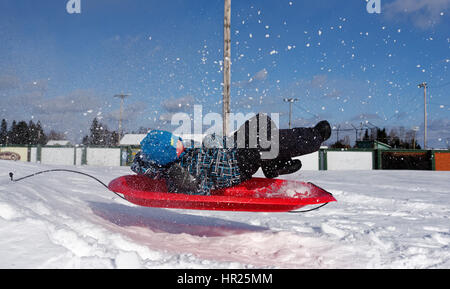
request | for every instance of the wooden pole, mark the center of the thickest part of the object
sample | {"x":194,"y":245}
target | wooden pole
{"x":226,"y":66}
{"x":425,"y":116}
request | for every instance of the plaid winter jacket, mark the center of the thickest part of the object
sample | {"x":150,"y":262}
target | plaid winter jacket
{"x":198,"y":170}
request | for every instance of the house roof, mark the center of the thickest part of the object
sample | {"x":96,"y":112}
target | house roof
{"x":132,"y":139}
{"x":58,"y":143}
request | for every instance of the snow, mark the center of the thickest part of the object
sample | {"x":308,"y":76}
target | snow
{"x":383,"y":219}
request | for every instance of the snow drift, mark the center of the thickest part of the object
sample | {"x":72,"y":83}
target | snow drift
{"x":383,"y":219}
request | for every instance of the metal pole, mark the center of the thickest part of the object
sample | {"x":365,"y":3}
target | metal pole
{"x":120,"y":119}
{"x":424,"y":85}
{"x":290,"y":115}
{"x":415,"y":129}
{"x":337,"y":133}
{"x":425,"y":116}
{"x":356,"y":132}
{"x":361,"y":134}
{"x":226,"y":65}
{"x":122,"y":97}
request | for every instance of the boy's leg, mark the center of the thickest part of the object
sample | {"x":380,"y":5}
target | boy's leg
{"x":259,"y":132}
{"x":280,"y":166}
{"x":292,"y":143}
{"x":249,"y":143}
{"x":302,"y":141}
{"x":249,"y":162}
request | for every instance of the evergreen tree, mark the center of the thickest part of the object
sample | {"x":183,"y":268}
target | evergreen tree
{"x":382,"y":135}
{"x":398,"y":138}
{"x":366,"y":135}
{"x":12,"y":133}
{"x":114,"y":138}
{"x":4,"y":132}
{"x":32,"y":133}
{"x":22,"y":133}
{"x":95,"y":137}
{"x":100,"y":135}
{"x":41,"y":138}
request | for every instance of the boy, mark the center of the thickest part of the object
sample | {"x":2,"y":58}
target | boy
{"x":257,"y":144}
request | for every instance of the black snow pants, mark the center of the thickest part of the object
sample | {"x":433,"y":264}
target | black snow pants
{"x":290,"y":143}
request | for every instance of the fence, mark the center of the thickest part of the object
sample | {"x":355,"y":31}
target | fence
{"x":337,"y":160}
{"x":324,"y":159}
{"x":66,"y":155}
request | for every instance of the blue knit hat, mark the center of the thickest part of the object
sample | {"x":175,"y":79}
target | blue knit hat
{"x":160,"y":147}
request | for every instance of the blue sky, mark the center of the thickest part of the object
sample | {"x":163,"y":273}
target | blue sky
{"x":342,"y":63}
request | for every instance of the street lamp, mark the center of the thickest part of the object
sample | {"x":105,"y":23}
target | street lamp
{"x":291,"y":101}
{"x":424,"y":85}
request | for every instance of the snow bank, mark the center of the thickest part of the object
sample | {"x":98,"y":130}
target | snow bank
{"x":383,"y":219}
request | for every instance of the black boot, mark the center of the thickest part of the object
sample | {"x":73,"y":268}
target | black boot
{"x":302,"y":141}
{"x":277,"y":167}
{"x":324,"y":129}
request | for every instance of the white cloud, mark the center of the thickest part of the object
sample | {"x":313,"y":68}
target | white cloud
{"x":131,"y":112}
{"x":260,"y":75}
{"x":366,"y":116}
{"x":319,"y":81}
{"x":422,"y":13}
{"x":75,"y":102}
{"x":178,"y":104}
{"x":8,"y":82}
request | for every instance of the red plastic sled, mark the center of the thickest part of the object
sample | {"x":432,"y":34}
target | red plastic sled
{"x":255,"y":195}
